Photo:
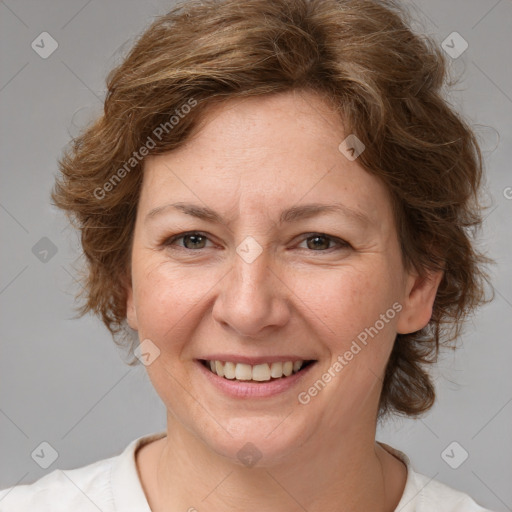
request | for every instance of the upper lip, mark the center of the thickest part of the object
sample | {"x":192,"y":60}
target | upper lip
{"x":234,"y":358}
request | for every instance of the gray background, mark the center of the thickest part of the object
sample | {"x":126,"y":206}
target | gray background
{"x":63,"y":380}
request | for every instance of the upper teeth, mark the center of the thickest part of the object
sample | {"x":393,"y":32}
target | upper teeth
{"x":259,"y":372}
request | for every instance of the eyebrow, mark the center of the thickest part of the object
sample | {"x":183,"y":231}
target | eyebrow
{"x":293,"y":214}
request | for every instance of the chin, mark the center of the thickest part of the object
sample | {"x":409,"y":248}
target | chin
{"x":262,"y":441}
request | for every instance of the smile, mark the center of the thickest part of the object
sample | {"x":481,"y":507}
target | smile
{"x":258,"y":372}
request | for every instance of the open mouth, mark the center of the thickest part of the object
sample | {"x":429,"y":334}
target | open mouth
{"x":264,"y":372}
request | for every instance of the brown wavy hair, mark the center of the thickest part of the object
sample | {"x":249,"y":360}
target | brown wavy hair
{"x":362,"y":57}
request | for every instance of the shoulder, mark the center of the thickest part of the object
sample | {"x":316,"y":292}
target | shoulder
{"x":107,"y":485}
{"x":424,"y":494}
{"x":83,"y":489}
{"x":434,"y":495}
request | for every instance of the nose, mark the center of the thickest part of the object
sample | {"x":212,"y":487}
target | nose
{"x":253,"y":300}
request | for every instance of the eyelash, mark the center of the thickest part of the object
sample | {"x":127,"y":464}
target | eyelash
{"x":342,"y":244}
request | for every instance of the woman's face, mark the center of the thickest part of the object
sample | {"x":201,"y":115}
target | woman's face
{"x":267,"y":278}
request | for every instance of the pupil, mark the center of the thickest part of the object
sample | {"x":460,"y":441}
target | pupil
{"x":316,"y":245}
{"x":194,"y":239}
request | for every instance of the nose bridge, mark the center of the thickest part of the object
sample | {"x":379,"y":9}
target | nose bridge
{"x":251,"y":269}
{"x":251,"y":298}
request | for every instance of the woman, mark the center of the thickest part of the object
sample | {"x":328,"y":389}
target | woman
{"x":276,"y":201}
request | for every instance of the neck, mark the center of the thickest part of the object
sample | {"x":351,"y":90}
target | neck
{"x":350,"y":473}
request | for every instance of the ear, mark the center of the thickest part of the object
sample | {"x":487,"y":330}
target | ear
{"x":420,"y":293}
{"x":131,"y":313}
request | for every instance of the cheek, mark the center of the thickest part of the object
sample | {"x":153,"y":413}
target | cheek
{"x":168,"y":296}
{"x":346,"y":301}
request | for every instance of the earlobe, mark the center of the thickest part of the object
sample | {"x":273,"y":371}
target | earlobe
{"x":420,"y":294}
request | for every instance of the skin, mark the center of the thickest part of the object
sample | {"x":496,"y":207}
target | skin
{"x":250,"y":160}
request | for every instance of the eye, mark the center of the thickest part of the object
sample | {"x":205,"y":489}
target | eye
{"x":191,"y":240}
{"x":320,"y":242}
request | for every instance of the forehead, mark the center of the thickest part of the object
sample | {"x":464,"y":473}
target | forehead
{"x":264,"y":153}
{"x":276,"y":121}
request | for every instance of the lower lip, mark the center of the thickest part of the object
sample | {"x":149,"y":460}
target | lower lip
{"x":242,"y":389}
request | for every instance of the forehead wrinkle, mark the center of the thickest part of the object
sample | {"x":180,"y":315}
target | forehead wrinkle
{"x":288,"y":216}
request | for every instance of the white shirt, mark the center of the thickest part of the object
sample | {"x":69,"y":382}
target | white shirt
{"x":113,"y":485}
